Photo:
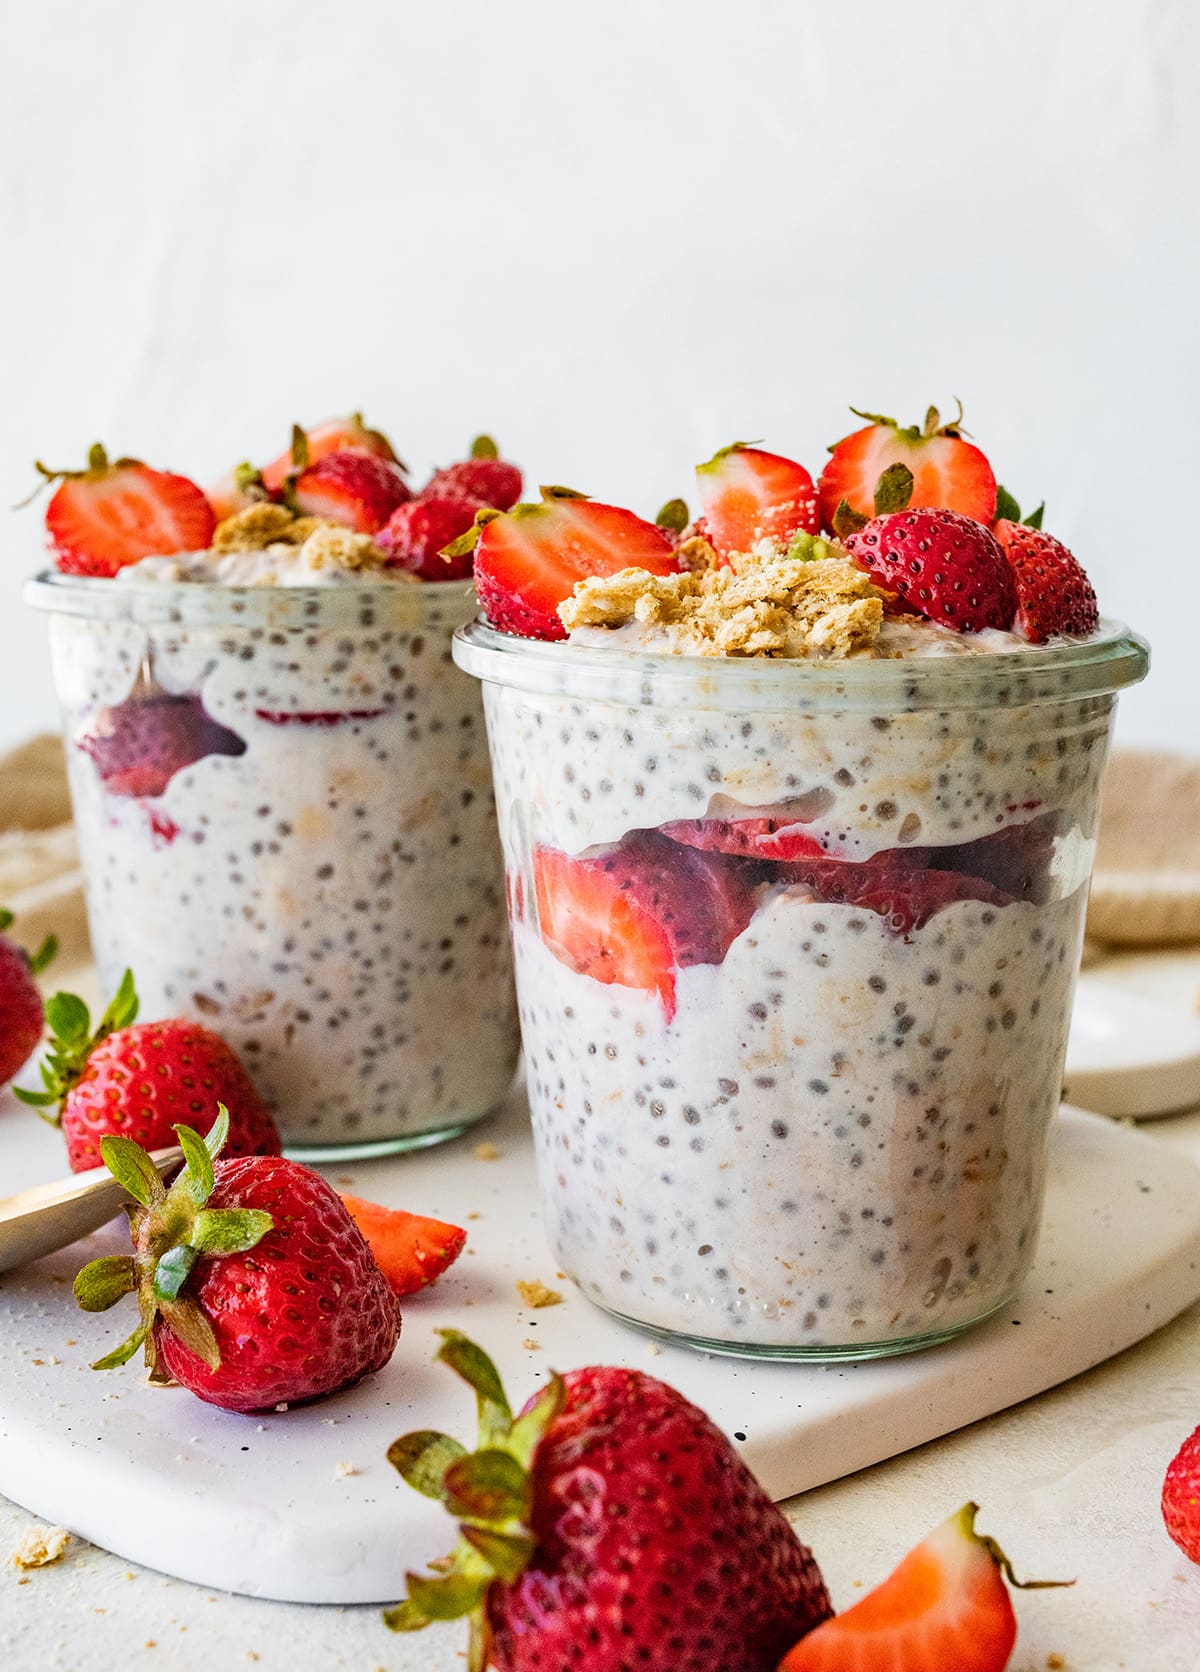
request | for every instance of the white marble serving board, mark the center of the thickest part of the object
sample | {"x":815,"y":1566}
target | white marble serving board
{"x":262,"y":1505}
{"x":1128,"y":1055}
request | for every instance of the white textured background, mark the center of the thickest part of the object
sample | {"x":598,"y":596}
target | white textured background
{"x":619,"y":235}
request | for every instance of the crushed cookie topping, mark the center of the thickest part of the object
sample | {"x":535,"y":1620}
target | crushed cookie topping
{"x":317,"y":542}
{"x":770,"y":605}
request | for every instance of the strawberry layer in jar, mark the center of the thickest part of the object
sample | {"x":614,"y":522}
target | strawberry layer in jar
{"x":286,"y":824}
{"x":796,"y":940}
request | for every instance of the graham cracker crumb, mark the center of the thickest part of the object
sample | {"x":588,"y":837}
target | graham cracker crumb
{"x":254,"y":529}
{"x":343,"y":1471}
{"x":1055,"y":1663}
{"x":41,"y":1546}
{"x":531,"y":1345}
{"x":653,"y":1347}
{"x":535,"y":1293}
{"x":696,"y":554}
{"x":486,"y":1152}
{"x":330,"y":546}
{"x":770,"y":605}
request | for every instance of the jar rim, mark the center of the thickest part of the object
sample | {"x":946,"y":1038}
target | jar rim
{"x":214,"y":604}
{"x":1107,"y":661}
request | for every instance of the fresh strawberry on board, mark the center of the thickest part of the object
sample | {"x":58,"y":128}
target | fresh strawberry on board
{"x":1181,"y":1497}
{"x":106,"y":516}
{"x":485,"y":476}
{"x":885,"y":467}
{"x":945,"y":1609}
{"x":417,"y":532}
{"x":138,"y":1081}
{"x":610,"y":1525}
{"x":21,"y":1012}
{"x":335,"y":435}
{"x":137,"y":746}
{"x":638,"y":914}
{"x":412,"y":1250}
{"x":1054,"y":594}
{"x":354,"y":487}
{"x":527,"y":560}
{"x":941,"y":564}
{"x":748,"y":496}
{"x":255,"y":1286}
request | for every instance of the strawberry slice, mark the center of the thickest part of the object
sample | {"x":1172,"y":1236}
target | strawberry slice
{"x":946,"y":1608}
{"x":527,"y":560}
{"x":335,"y":435}
{"x":410,"y":1250}
{"x":898,"y":884}
{"x":360,"y":490}
{"x":943,"y":565}
{"x":636,"y":915}
{"x":886,"y":468}
{"x":138,"y":746}
{"x":109,"y":515}
{"x":748,"y":496}
{"x":1054,"y":594}
{"x":772,"y":836}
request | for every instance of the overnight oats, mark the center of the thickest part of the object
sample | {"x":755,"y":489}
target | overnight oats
{"x":280,"y":781}
{"x":798,"y":835}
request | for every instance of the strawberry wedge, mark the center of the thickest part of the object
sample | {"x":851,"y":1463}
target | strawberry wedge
{"x":528,"y":560}
{"x":748,"y":496}
{"x":110,"y":515}
{"x":885,"y":467}
{"x":410,"y":1250}
{"x":946,"y":1606}
{"x":335,"y":435}
{"x":635,"y":916}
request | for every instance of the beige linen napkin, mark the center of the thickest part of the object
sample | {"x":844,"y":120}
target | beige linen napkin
{"x":1146,"y":889}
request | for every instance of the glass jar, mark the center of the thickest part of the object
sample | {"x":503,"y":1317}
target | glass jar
{"x":287,"y":830}
{"x":795,"y":945}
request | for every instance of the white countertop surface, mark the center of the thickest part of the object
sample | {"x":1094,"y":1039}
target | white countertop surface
{"x":1069,"y":1483}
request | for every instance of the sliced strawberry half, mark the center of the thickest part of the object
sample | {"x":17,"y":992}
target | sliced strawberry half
{"x":335,"y":435}
{"x":942,"y":564}
{"x":636,"y":915}
{"x":360,"y":490}
{"x":1054,"y":594}
{"x":411,"y":1250}
{"x":945,"y":1609}
{"x":748,"y":496}
{"x":109,"y":515}
{"x":888,"y":468}
{"x":528,"y":560}
{"x":416,"y":534}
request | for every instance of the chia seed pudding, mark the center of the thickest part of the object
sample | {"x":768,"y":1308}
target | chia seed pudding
{"x":287,"y":829}
{"x":796,"y":941}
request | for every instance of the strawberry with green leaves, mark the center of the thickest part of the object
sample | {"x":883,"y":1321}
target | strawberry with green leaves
{"x":610,"y":1524}
{"x":21,"y":1011}
{"x":528,"y":560}
{"x":254,"y":1286}
{"x":945,"y":1609}
{"x":108,"y":515}
{"x":333,"y":435}
{"x":749,"y":497}
{"x":138,"y":1081}
{"x":887,"y":467}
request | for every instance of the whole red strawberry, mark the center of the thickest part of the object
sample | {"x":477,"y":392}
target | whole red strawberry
{"x":138,"y":1081}
{"x":21,"y":1012}
{"x":942,"y":565}
{"x":109,"y":515}
{"x":255,"y":1286}
{"x":610,"y":1522}
{"x":1053,"y":593}
{"x":485,"y":476}
{"x":415,"y":533}
{"x":1181,"y":1497}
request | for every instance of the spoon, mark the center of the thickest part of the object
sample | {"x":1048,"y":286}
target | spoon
{"x":49,"y":1216}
